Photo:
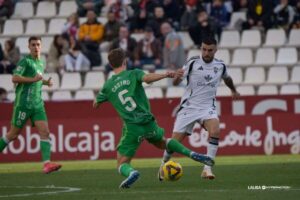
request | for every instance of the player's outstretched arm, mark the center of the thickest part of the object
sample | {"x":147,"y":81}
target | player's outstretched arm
{"x":229,"y":83}
{"x":22,"y":79}
{"x":152,"y":77}
{"x":178,"y":77}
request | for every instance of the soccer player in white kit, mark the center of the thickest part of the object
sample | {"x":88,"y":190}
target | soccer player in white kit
{"x":203,"y":74}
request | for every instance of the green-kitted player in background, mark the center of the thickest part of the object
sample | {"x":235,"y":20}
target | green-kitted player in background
{"x":29,"y":104}
{"x":125,"y":92}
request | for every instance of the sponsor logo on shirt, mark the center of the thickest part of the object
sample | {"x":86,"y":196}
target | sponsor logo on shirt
{"x":208,"y":78}
{"x":200,"y":68}
{"x":216,"y":70}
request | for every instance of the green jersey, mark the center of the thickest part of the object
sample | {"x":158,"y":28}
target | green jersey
{"x":126,"y":93}
{"x":29,"y":95}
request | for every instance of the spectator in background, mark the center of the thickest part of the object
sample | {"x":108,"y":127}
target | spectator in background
{"x":125,"y":42}
{"x":1,"y":58}
{"x":240,"y":5}
{"x":220,"y":15}
{"x":3,"y":95}
{"x":157,"y":20}
{"x":90,"y":34}
{"x":11,"y":56}
{"x":148,"y":51}
{"x":284,"y":14}
{"x":111,"y":28}
{"x":111,"y":31}
{"x":202,"y":29}
{"x":259,"y":14}
{"x":57,"y":51}
{"x":123,"y":12}
{"x":172,"y":12}
{"x":189,"y":16}
{"x":296,"y":21}
{"x":75,"y":60}
{"x":139,"y":21}
{"x":6,"y":8}
{"x":71,"y":27}
{"x":85,"y":5}
{"x":147,"y":5}
{"x":173,"y":52}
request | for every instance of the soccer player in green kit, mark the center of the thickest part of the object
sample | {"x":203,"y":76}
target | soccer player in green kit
{"x":29,"y":104}
{"x":125,"y":92}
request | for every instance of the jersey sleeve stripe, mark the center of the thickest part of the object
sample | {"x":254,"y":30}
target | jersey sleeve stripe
{"x":189,"y":72}
{"x":224,"y":69}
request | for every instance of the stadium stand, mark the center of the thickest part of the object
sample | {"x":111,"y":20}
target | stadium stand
{"x":19,"y":10}
{"x":61,"y":96}
{"x":251,"y":38}
{"x":175,"y":92}
{"x":71,"y":81}
{"x":154,"y":92}
{"x":267,"y":90}
{"x":278,"y":75}
{"x":275,"y":38}
{"x":84,"y":95}
{"x":265,"y":57}
{"x":262,"y":62}
{"x":255,"y":75}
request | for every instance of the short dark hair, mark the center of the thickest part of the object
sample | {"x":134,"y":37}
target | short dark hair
{"x":209,"y":41}
{"x":148,"y":29}
{"x":34,"y":38}
{"x":116,"y":57}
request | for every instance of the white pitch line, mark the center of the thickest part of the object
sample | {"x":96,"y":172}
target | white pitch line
{"x":135,"y":191}
{"x":62,"y":190}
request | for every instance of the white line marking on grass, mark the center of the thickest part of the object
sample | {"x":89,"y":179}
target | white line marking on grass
{"x":58,"y":190}
{"x":136,"y":191}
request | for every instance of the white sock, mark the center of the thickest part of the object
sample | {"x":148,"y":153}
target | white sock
{"x":167,"y":156}
{"x":212,"y":149}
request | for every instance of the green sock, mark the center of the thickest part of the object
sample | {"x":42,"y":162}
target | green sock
{"x":3,"y":144}
{"x":125,"y":169}
{"x":45,"y":150}
{"x":174,"y":145}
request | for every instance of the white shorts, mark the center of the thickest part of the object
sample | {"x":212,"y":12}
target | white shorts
{"x":187,"y":117}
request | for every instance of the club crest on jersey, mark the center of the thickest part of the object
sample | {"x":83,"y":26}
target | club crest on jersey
{"x":200,"y":68}
{"x":207,"y":78}
{"x":216,"y":70}
{"x":19,"y":68}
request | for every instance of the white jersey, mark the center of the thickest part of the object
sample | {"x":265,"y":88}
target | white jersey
{"x":202,"y":82}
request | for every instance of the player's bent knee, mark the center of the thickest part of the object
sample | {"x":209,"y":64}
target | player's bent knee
{"x":215,"y":133}
{"x":161,"y":144}
{"x":44,"y":134}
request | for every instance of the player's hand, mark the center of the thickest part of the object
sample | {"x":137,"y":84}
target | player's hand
{"x":95,"y":104}
{"x":49,"y":82}
{"x":38,"y":77}
{"x":170,"y":74}
{"x":235,"y":94}
{"x":179,"y":73}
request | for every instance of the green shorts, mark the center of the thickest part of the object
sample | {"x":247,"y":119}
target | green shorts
{"x":134,"y":134}
{"x":21,"y":115}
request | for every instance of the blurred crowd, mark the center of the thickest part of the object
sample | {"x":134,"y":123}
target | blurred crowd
{"x":79,"y":46}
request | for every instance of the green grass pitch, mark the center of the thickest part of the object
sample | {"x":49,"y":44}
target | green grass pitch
{"x":238,"y":177}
